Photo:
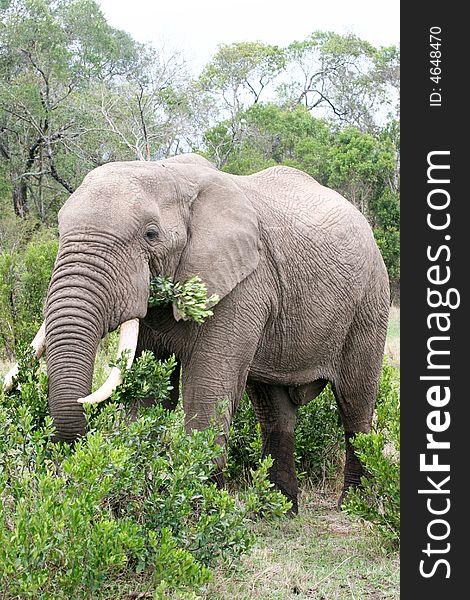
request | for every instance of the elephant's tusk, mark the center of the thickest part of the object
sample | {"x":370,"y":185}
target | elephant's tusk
{"x":39,"y":344}
{"x":127,"y":341}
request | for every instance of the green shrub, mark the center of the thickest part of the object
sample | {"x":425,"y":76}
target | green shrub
{"x":386,"y":210}
{"x":378,"y":501}
{"x":319,"y":440}
{"x":24,"y":280}
{"x":30,"y":390}
{"x":34,"y":277}
{"x":128,"y":498}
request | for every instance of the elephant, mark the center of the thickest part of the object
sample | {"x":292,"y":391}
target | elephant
{"x":304,"y":297}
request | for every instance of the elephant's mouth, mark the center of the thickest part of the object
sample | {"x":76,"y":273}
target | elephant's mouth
{"x":129,"y":332}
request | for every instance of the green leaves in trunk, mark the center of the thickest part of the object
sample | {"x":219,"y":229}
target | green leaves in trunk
{"x":189,"y":298}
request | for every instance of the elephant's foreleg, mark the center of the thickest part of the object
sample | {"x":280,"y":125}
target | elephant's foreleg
{"x":211,"y":395}
{"x":214,"y":373}
{"x":277,"y":416}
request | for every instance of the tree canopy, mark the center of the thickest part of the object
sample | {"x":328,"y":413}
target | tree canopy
{"x":76,"y":92}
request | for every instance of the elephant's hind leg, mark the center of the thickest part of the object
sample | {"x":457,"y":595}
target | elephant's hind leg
{"x":356,"y":385}
{"x":277,"y":416}
{"x":351,"y":396}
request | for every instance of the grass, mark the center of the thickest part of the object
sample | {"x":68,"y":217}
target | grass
{"x":320,"y":554}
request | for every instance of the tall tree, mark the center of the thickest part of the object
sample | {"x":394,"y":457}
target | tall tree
{"x":240,"y":73}
{"x":237,"y":77}
{"x":360,"y":167}
{"x":269,"y":135}
{"x":342,"y":76}
{"x":147,"y":114}
{"x":50,"y":52}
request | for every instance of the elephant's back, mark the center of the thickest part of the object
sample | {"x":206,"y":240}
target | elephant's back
{"x":294,"y":199}
{"x":303,"y":219}
{"x":322,"y":260}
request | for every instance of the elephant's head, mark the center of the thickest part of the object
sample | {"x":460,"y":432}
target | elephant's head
{"x":126,"y":223}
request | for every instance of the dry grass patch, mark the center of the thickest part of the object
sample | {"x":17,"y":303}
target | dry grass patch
{"x":320,"y":554}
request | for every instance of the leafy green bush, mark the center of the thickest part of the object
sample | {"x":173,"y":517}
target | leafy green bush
{"x":24,"y":280}
{"x":34,"y":277}
{"x":128,"y":498}
{"x":386,"y":208}
{"x":319,"y":440}
{"x":30,"y":390}
{"x":378,"y":501}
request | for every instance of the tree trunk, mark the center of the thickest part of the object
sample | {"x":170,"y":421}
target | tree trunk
{"x":20,"y":199}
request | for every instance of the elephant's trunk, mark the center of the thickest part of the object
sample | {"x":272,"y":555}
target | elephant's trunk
{"x":72,"y":343}
{"x":96,"y":286}
{"x":77,"y":318}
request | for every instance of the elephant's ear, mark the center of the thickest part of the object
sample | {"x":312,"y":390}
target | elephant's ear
{"x":223,"y":241}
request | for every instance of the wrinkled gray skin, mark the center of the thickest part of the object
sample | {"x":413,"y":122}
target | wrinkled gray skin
{"x":303,"y":288}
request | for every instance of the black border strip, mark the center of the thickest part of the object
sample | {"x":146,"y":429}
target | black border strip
{"x":434,"y":124}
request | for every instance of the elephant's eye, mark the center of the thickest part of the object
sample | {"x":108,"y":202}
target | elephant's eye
{"x":151,"y":234}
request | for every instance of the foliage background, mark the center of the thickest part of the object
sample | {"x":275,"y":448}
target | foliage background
{"x":76,"y":92}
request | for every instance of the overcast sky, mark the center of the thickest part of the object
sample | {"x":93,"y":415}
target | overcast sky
{"x":196,"y":27}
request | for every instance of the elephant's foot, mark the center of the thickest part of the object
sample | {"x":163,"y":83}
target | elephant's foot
{"x":288,"y":486}
{"x":353,"y":470}
{"x":217,"y":475}
{"x":137,"y":405}
{"x":342,"y":497}
{"x":293,"y":511}
{"x":218,"y":478}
